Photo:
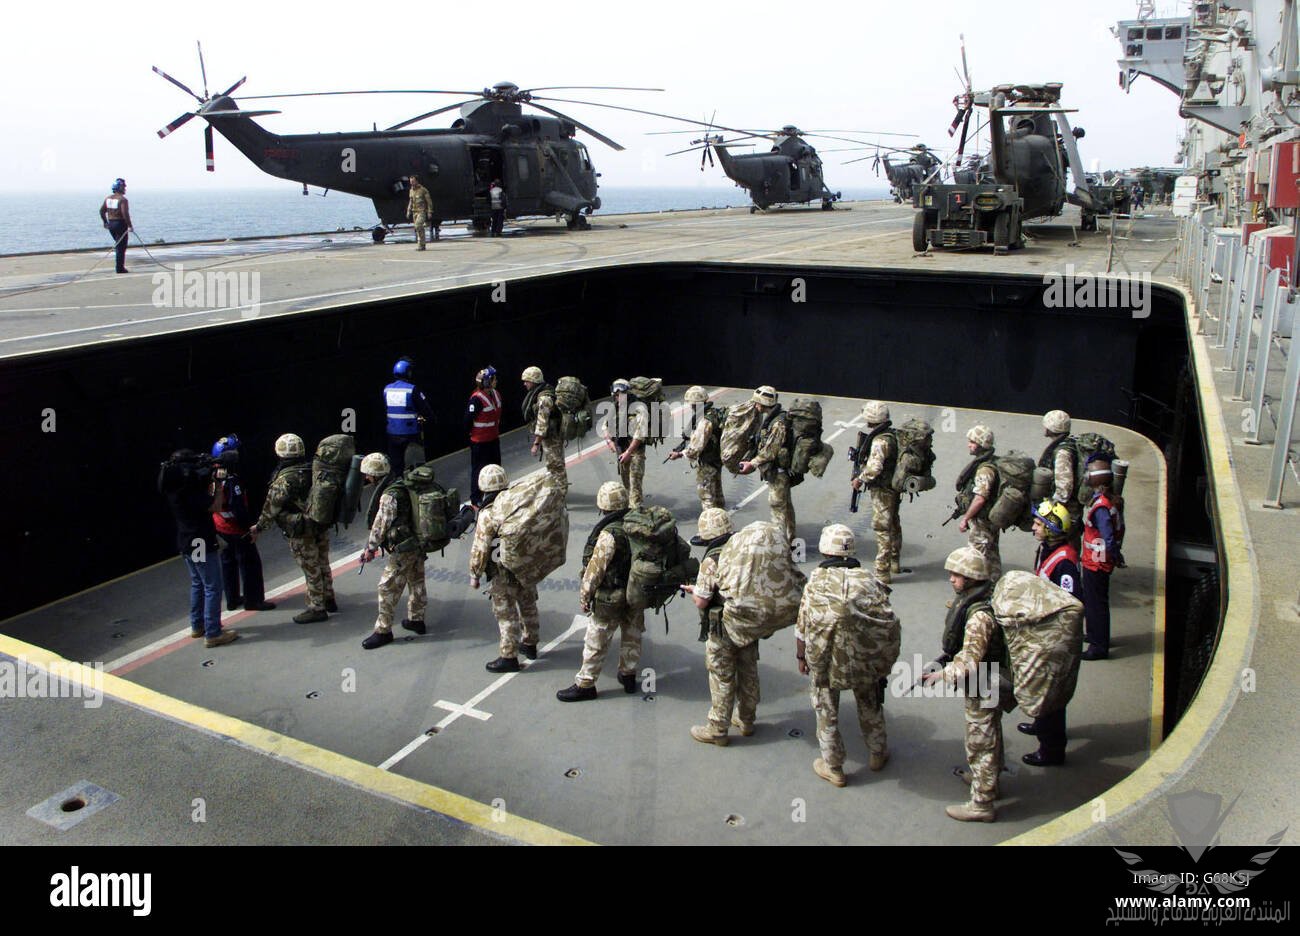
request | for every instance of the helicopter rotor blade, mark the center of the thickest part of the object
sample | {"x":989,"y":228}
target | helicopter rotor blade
{"x":965,"y":126}
{"x":587,"y":88}
{"x":231,"y":90}
{"x":203,"y":69}
{"x":637,"y":110}
{"x":440,"y":110}
{"x":175,"y":124}
{"x":965,"y":70}
{"x":207,"y":147}
{"x":581,"y":126}
{"x":178,"y":84}
{"x":826,"y":136}
{"x":267,"y":97}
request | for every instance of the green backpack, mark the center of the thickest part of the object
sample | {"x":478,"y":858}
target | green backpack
{"x":650,"y":391}
{"x":574,"y":404}
{"x":661,"y":559}
{"x":915,"y":461}
{"x":433,"y":508}
{"x":808,"y":453}
{"x":329,"y":475}
{"x":1011,"y":506}
{"x":1085,"y":446}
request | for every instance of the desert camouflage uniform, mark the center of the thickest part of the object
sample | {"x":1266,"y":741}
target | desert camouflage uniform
{"x":418,"y":210}
{"x":547,"y":429}
{"x":983,"y":724}
{"x":767,"y":461}
{"x":703,"y":449}
{"x":607,"y":617}
{"x":1065,"y":489}
{"x":733,"y":670}
{"x":513,"y":604}
{"x":981,"y":534}
{"x":310,"y":547}
{"x":844,"y":651}
{"x":884,"y":505}
{"x":632,"y":471}
{"x":402,"y":570}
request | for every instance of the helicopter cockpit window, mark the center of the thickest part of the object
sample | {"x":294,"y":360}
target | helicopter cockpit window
{"x":586,"y":157}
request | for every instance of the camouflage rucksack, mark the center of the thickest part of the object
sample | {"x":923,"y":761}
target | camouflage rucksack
{"x":1043,"y":626}
{"x":661,"y":559}
{"x":1085,"y":446}
{"x":574,"y":404}
{"x":432,"y":508}
{"x":650,"y":392}
{"x":808,"y":453}
{"x":329,"y":473}
{"x":760,"y":584}
{"x":1011,"y":506}
{"x":913,"y":467}
{"x":852,"y":636}
{"x":534,"y":529}
{"x":739,"y":440}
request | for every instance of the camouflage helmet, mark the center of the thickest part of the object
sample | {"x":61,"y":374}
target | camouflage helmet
{"x":611,"y":496}
{"x":696,"y":395}
{"x":290,"y":446}
{"x":764,"y":395}
{"x":532,"y":374}
{"x":837,"y":540}
{"x":620,"y":385}
{"x":1054,"y":516}
{"x":981,"y":436}
{"x":1057,"y":422}
{"x":875,"y":412}
{"x":968,"y":562}
{"x":376,"y":464}
{"x":492,"y":478}
{"x":714,"y":522}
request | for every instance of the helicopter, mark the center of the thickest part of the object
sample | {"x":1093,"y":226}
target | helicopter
{"x":543,"y":170}
{"x":923,"y":164}
{"x":789,"y":173}
{"x":1022,"y":178}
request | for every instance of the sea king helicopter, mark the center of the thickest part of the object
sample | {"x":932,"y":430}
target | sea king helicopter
{"x":790,"y":173}
{"x":543,"y":170}
{"x":922,"y":164}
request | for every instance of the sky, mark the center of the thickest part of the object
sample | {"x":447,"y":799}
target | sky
{"x":79,"y":104}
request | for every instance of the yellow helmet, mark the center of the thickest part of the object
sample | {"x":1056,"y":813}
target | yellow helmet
{"x":1054,"y":516}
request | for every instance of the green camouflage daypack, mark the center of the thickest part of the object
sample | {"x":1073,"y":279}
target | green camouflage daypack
{"x":661,"y":559}
{"x":329,"y":473}
{"x":915,"y":460}
{"x":650,"y":391}
{"x":428,"y":512}
{"x":1011,"y":506}
{"x":808,"y":453}
{"x":574,"y":404}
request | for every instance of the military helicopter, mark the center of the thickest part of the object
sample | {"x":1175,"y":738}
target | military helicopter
{"x":543,"y":170}
{"x":1022,"y":178}
{"x":790,"y":173}
{"x":923,"y":164}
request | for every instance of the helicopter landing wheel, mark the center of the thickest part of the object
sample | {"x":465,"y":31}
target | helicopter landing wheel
{"x":578,"y":222}
{"x":377,"y":234}
{"x":753,"y":209}
{"x":828,"y":205}
{"x":920,"y":237}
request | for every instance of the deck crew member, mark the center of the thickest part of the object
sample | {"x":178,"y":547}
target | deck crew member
{"x":115,"y":214}
{"x":484,"y":422}
{"x":407,"y":411}
{"x":1103,"y":534}
{"x":497,"y":199}
{"x":240,"y":560}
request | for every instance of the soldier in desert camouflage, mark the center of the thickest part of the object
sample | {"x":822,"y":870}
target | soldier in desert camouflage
{"x":607,"y":563}
{"x":542,"y":412}
{"x":392,"y":528}
{"x":846,"y":637}
{"x":977,"y":488}
{"x":971,"y":626}
{"x":877,"y":479}
{"x":513,"y":604}
{"x":773,"y":460}
{"x":704,"y":447}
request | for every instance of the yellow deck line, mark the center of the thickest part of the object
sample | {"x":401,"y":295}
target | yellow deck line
{"x":1221,"y":685}
{"x":299,"y":753}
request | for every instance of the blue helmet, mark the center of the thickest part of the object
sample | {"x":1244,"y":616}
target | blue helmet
{"x":119,"y":185}
{"x":403,"y":367}
{"x":228,"y":443}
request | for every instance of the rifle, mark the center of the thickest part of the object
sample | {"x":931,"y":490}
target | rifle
{"x":956,"y":512}
{"x":940,"y":662}
{"x":856,"y":457}
{"x":681,"y":447}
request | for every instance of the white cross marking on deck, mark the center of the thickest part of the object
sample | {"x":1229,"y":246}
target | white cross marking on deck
{"x":469,"y":708}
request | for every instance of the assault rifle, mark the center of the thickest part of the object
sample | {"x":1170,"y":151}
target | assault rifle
{"x":933,"y":666}
{"x":856,"y":457}
{"x":681,"y":447}
{"x":957,"y":511}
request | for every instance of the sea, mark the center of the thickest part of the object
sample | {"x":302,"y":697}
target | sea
{"x":70,"y":220}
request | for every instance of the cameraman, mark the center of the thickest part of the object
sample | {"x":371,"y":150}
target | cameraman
{"x":186,"y":480}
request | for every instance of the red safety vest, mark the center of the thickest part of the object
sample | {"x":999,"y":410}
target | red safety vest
{"x":1047,"y":568}
{"x":1095,"y":558}
{"x":487,"y":415}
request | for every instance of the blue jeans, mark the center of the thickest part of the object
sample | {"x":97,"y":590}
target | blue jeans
{"x":205,"y":593}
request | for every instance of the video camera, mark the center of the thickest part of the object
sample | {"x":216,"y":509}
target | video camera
{"x":185,"y":468}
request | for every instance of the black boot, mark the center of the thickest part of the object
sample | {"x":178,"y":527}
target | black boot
{"x":413,"y":626}
{"x":1041,"y":758}
{"x":331,"y":606}
{"x":1027,"y":727}
{"x":629,"y":682}
{"x":503,"y":665}
{"x":377,"y":639}
{"x":576,"y":693}
{"x":529,"y":650}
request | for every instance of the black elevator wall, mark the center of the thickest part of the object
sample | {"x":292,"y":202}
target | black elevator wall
{"x":82,"y":506}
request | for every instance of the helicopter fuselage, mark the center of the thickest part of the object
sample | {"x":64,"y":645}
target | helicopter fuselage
{"x":790,"y":174}
{"x":542,"y":169}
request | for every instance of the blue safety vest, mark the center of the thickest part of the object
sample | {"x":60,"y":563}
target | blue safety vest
{"x":399,"y":400}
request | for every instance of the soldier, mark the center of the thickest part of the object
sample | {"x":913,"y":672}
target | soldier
{"x":419,"y":209}
{"x":484,"y":419}
{"x":514,"y":605}
{"x":976,"y":489}
{"x":846,"y":637}
{"x":773,"y":459}
{"x":392,"y":527}
{"x":286,"y":501}
{"x":115,"y":213}
{"x":970,"y":623}
{"x":704,"y":448}
{"x":540,"y":410}
{"x":606,"y":565}
{"x":1059,"y":458}
{"x":877,"y":477}
{"x":629,"y":448}
{"x":1103,"y":534}
{"x":1057,"y":561}
{"x":733,"y":671}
